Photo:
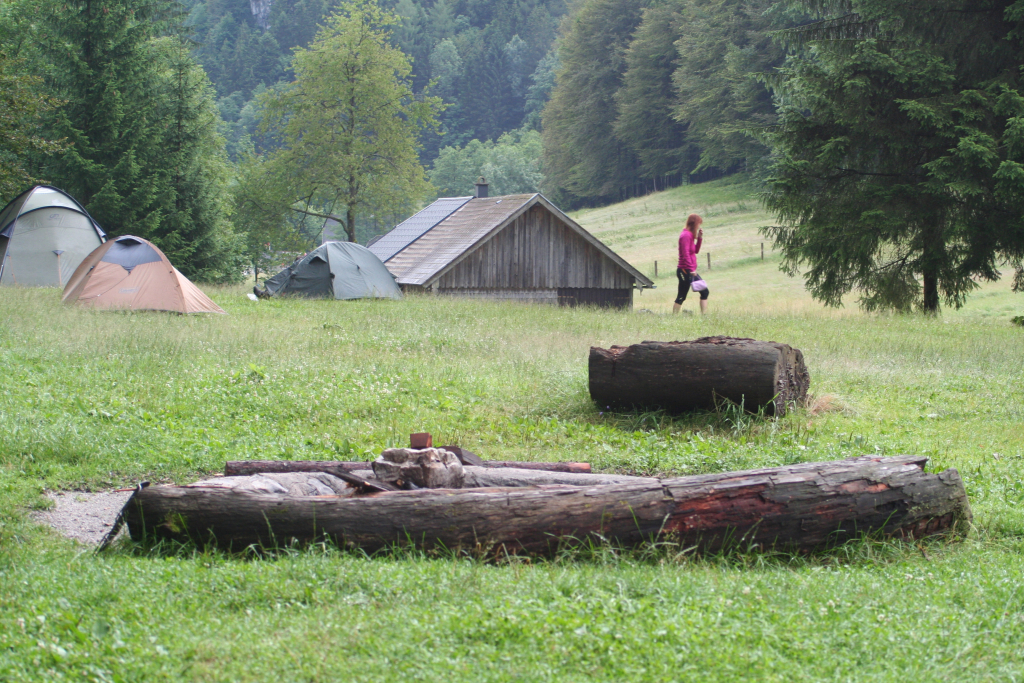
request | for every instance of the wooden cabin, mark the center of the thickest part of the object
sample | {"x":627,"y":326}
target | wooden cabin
{"x":519,"y":247}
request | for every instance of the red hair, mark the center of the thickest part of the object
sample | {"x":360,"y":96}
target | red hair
{"x":692,"y":223}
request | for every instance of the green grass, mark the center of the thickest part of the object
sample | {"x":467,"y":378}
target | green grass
{"x":646,"y":229}
{"x":90,"y":400}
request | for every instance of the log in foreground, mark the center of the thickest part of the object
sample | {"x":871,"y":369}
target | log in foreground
{"x":697,"y":375}
{"x":796,"y":508}
{"x":500,"y":477}
{"x":238,"y":468}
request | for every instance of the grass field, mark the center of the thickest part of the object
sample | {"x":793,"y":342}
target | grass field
{"x":92,"y":400}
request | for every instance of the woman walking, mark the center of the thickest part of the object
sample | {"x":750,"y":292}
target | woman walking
{"x":689,"y":246}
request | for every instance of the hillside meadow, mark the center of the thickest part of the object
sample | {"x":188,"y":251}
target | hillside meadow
{"x":96,"y":400}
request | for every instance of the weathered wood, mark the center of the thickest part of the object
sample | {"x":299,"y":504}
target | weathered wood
{"x":497,"y":477}
{"x":429,"y":468}
{"x":234,"y":468}
{"x":580,"y":467}
{"x":699,"y":374}
{"x":797,"y":507}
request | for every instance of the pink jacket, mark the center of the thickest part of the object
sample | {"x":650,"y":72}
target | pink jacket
{"x":688,"y":251}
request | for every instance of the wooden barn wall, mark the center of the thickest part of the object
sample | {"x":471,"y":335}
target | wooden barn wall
{"x":536,"y":251}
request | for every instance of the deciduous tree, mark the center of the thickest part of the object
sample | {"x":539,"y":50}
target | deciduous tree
{"x":349,"y":123}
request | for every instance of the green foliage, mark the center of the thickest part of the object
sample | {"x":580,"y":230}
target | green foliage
{"x":483,"y":56}
{"x":582,"y":157}
{"x":22,"y":108}
{"x":645,"y":99}
{"x":144,"y":156}
{"x":195,"y":231}
{"x":897,"y":161}
{"x":658,"y":93}
{"x":260,"y":199}
{"x":511,"y":166}
{"x":723,"y":47}
{"x":348,"y":125}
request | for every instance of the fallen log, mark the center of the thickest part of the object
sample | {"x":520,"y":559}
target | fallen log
{"x":797,"y":508}
{"x":698,"y":375}
{"x":498,"y":477}
{"x":503,"y":477}
{"x":237,"y":468}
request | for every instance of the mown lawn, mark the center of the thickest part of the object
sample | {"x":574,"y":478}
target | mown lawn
{"x":92,"y":400}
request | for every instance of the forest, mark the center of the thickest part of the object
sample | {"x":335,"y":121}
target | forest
{"x":886,"y":136}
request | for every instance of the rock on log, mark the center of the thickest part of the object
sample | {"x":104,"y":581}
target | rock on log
{"x":798,"y":507}
{"x":695,"y":375}
{"x":237,"y":468}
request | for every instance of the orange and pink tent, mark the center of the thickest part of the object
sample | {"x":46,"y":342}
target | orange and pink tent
{"x":130,"y":273}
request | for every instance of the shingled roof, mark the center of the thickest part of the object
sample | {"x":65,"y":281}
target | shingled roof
{"x":441,"y":246}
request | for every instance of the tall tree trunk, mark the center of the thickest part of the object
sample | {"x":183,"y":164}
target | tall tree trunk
{"x":931,"y":294}
{"x":931,"y":264}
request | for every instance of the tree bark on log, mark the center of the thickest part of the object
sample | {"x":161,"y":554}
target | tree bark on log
{"x":238,"y":468}
{"x":699,"y":374}
{"x":796,"y":508}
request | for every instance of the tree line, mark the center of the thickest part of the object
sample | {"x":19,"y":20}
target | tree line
{"x":652,"y":94}
{"x":885,"y":134}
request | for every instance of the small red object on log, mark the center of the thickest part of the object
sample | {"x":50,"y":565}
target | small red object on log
{"x":421,"y":440}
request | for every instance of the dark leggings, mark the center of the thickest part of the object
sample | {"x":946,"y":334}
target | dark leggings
{"x":685,"y":280}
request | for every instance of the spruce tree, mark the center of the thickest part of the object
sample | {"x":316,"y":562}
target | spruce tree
{"x":583,"y":160}
{"x":723,"y":49}
{"x":899,"y":154}
{"x":21,"y":127}
{"x":144,"y":156}
{"x":104,"y":67}
{"x":195,"y":231}
{"x":646,"y":98}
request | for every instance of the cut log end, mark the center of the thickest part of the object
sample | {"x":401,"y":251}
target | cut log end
{"x":682,"y":376}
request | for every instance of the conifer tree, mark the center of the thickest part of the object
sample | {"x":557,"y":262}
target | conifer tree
{"x":194,"y":230}
{"x":723,"y":50}
{"x":899,"y":155}
{"x":21,"y":127}
{"x":583,"y":160}
{"x":144,"y":156}
{"x":645,"y":99}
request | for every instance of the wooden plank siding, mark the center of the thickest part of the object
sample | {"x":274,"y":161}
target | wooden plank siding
{"x":536,"y":251}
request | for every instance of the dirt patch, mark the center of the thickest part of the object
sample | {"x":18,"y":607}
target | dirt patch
{"x":85,"y":517}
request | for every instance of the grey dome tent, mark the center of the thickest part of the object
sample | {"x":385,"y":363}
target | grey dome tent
{"x":44,"y":235}
{"x":343,"y":270}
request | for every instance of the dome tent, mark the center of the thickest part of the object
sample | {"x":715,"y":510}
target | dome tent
{"x":44,"y":235}
{"x":130,"y":273}
{"x":343,"y":270}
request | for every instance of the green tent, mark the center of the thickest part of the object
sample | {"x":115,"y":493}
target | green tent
{"x":343,"y":270}
{"x":44,"y":235}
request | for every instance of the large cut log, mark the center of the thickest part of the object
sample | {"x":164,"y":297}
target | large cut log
{"x":237,"y":468}
{"x":797,"y":507}
{"x":698,"y":375}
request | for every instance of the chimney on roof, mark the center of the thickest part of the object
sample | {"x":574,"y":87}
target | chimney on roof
{"x":481,"y":188}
